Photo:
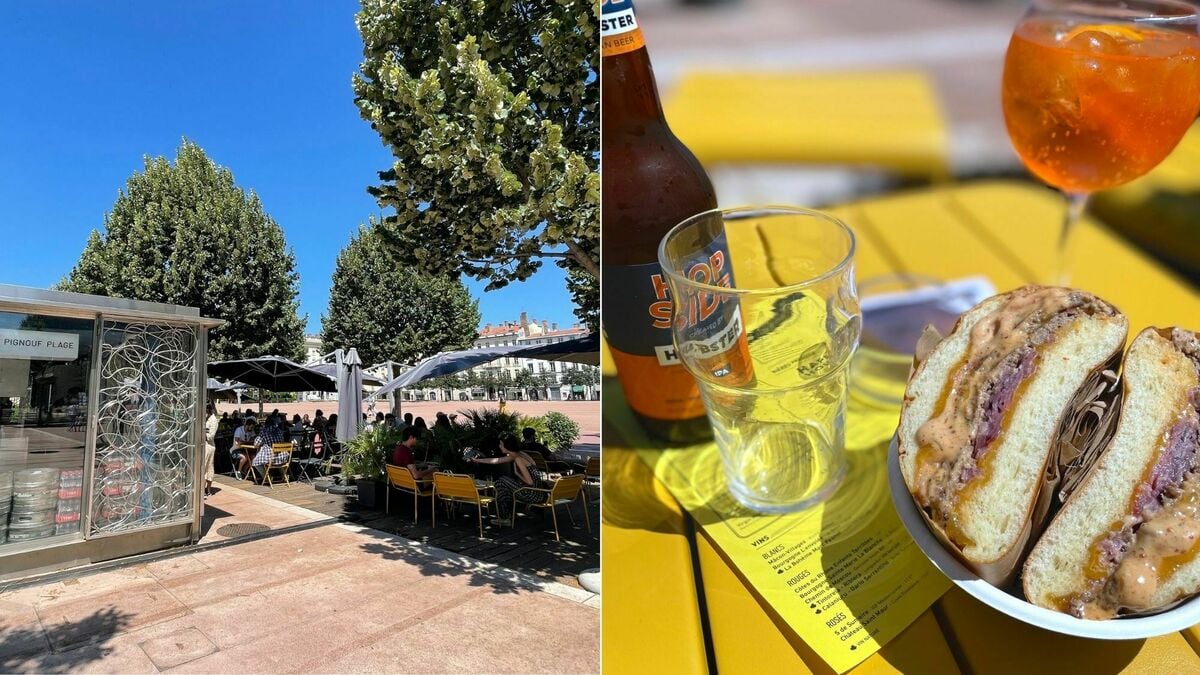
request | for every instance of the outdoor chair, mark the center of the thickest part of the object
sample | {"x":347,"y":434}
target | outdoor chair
{"x":591,"y":474}
{"x":334,"y":452}
{"x":460,"y":488}
{"x":538,"y":460}
{"x":401,"y":478}
{"x":564,"y":491}
{"x":282,"y":466}
{"x":301,"y":459}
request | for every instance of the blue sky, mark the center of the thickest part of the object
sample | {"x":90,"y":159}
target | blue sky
{"x":263,"y":87}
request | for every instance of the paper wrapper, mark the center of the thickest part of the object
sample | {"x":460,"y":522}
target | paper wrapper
{"x":1087,"y":424}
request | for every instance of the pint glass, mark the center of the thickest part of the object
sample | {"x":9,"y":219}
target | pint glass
{"x":765,"y":316}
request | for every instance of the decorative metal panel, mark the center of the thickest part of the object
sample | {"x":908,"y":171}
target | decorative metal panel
{"x":145,"y":426}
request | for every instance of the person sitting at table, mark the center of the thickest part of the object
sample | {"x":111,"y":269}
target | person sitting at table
{"x":419,"y":425}
{"x":519,"y":489}
{"x":307,"y":420}
{"x":442,"y":423}
{"x":272,"y":433}
{"x":408,"y":419}
{"x":243,"y":444}
{"x":402,"y":455}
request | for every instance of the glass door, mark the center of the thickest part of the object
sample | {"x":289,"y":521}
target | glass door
{"x":45,"y":367}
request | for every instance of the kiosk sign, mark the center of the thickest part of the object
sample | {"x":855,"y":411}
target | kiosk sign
{"x":38,"y":345}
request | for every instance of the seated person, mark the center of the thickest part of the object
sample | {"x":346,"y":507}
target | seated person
{"x":531,"y":443}
{"x":403,"y":456}
{"x":526,"y":487}
{"x":271,"y":434}
{"x":243,"y":446}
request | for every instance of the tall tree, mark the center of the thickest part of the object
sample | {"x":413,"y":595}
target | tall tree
{"x":388,"y":310}
{"x":491,"y":110}
{"x":187,"y":234}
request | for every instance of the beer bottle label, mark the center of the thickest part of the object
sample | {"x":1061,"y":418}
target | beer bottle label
{"x":619,"y":31}
{"x":655,"y":382}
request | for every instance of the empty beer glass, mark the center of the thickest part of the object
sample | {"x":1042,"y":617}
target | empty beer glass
{"x":766,"y":317}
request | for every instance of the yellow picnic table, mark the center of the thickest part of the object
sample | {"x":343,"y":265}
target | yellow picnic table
{"x":672,"y":601}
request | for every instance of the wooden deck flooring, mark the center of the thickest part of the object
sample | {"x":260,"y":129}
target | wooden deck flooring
{"x":529,"y":546}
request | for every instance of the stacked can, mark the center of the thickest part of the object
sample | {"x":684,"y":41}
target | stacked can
{"x":6,"y":480}
{"x":34,"y":504}
{"x":70,"y":501}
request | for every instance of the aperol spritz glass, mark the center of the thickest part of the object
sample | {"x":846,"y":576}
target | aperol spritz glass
{"x":1096,"y":93}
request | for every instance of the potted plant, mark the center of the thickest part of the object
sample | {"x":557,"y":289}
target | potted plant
{"x":364,"y":461}
{"x":561,"y":431}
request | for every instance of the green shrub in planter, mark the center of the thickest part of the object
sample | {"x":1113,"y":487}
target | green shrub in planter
{"x":368,"y":452}
{"x":562,"y":430}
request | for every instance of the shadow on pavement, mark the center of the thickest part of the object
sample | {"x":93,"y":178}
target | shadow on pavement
{"x":27,"y":649}
{"x":446,"y":564}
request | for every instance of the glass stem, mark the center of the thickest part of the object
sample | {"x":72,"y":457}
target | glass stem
{"x":1076,"y":203}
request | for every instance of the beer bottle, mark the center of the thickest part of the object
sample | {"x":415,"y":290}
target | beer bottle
{"x":651,"y":182}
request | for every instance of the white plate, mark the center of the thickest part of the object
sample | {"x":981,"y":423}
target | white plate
{"x":1179,"y":618}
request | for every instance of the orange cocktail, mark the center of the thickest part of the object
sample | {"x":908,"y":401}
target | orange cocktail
{"x":1091,"y":106}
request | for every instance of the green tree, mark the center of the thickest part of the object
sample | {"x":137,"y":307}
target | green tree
{"x":525,"y":380}
{"x":548,"y":380}
{"x":585,"y":291}
{"x":387,"y":310}
{"x":491,"y":111}
{"x":577,"y":376}
{"x":187,"y":234}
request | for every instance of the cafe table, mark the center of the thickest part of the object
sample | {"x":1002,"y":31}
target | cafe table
{"x":673,"y":603}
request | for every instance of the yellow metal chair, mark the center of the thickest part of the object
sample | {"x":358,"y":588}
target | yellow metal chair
{"x":591,"y":474}
{"x":564,"y":491}
{"x":401,"y":478}
{"x":458,"y":488}
{"x":283,"y":467}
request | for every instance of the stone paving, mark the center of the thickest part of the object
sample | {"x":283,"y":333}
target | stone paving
{"x":294,"y":590}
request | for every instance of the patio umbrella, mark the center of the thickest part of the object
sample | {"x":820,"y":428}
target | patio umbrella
{"x":446,"y":363}
{"x":273,"y":373}
{"x":585,"y":350}
{"x":330,"y":369}
{"x":216,"y":385}
{"x":350,"y":396}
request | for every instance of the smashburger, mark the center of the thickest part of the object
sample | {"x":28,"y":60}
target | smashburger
{"x":1017,"y":436}
{"x":1125,"y":542}
{"x":982,"y":412}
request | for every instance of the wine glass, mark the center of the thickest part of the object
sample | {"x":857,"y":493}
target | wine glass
{"x":1096,"y":93}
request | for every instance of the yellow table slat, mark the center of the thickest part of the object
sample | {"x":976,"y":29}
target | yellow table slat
{"x":928,"y":238}
{"x":1026,"y":220}
{"x":735,"y":612}
{"x":994,"y":643}
{"x":649,"y":609}
{"x":891,"y":120}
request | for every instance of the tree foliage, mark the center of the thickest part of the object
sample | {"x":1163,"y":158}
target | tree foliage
{"x":186,"y":234}
{"x":563,"y":430}
{"x":491,"y":110}
{"x":581,"y":376}
{"x":388,"y":310}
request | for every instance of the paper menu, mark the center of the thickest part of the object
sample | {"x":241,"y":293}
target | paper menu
{"x":845,"y":575}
